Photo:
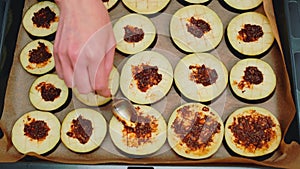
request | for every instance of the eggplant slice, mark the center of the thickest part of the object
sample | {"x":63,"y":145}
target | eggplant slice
{"x":250,"y":33}
{"x":41,"y":19}
{"x":134,"y":33}
{"x":37,"y":57}
{"x":36,"y":131}
{"x":146,"y":138}
{"x":196,"y":28}
{"x":252,"y":132}
{"x":195,"y":131}
{"x":146,"y":77}
{"x":83,"y":130}
{"x":201,"y":77}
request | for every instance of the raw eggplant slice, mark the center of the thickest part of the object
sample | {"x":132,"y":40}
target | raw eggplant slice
{"x":252,"y":79}
{"x":200,"y":76}
{"x":92,"y":99}
{"x":252,"y":132}
{"x":146,"y":138}
{"x":243,"y":4}
{"x":37,"y":57}
{"x":146,"y":77}
{"x":48,"y":93}
{"x":134,"y":33}
{"x":250,"y":33}
{"x":195,"y":131}
{"x":196,"y":28}
{"x":41,"y":19}
{"x":83,"y":130}
{"x":36,"y":131}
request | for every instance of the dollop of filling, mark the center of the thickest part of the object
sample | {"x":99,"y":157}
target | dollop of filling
{"x":39,"y":56}
{"x":195,"y":129}
{"x":81,"y":129}
{"x":36,"y":129}
{"x":48,"y":91}
{"x":203,"y":75}
{"x":252,"y":76}
{"x":44,"y":17}
{"x":197,"y":27}
{"x":133,"y":34}
{"x":250,"y":33}
{"x":146,"y":76}
{"x":143,"y":131}
{"x":253,"y":131}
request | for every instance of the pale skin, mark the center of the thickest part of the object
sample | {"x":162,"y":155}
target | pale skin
{"x":84,"y":46}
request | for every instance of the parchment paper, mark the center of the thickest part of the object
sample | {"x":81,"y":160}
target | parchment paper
{"x":280,"y":104}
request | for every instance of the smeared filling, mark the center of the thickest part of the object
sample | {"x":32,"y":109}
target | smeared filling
{"x":39,"y":56}
{"x":253,"y":131}
{"x":36,"y":129}
{"x":81,"y":129}
{"x":195,"y":129}
{"x":133,"y":34}
{"x":250,"y":33}
{"x":146,"y":76}
{"x":48,"y":91}
{"x":252,"y":76}
{"x":197,"y":27}
{"x":44,"y":17}
{"x":203,"y":75}
{"x":143,"y":132}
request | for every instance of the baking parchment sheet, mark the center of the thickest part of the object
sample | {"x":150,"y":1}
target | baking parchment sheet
{"x":280,"y":103}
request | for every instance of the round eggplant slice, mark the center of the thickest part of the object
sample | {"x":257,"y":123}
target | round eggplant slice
{"x":252,"y":132}
{"x":250,"y":33}
{"x":48,"y":92}
{"x":146,"y":77}
{"x":109,"y":3}
{"x":252,"y":79}
{"x":196,"y":28}
{"x":41,"y":19}
{"x":37,"y":57}
{"x":36,"y":132}
{"x":146,"y":6}
{"x":195,"y":131}
{"x":146,"y":138}
{"x":83,"y":130}
{"x":242,"y":4}
{"x":200,"y":76}
{"x":92,"y":99}
{"x":134,"y":33}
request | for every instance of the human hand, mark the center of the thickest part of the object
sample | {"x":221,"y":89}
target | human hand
{"x":84,"y":46}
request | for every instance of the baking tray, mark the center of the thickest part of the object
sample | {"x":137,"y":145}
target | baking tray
{"x":10,"y":19}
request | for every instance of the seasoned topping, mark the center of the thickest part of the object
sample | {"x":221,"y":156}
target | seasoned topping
{"x":195,"y":129}
{"x":36,"y":129}
{"x":146,"y":76}
{"x":197,"y":27}
{"x":81,"y":129}
{"x":48,"y":91}
{"x":250,"y":33}
{"x":142,"y":132}
{"x":252,"y":76}
{"x":39,"y":56}
{"x":44,"y":17}
{"x":253,"y":131}
{"x":203,"y":75}
{"x":133,"y":34}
